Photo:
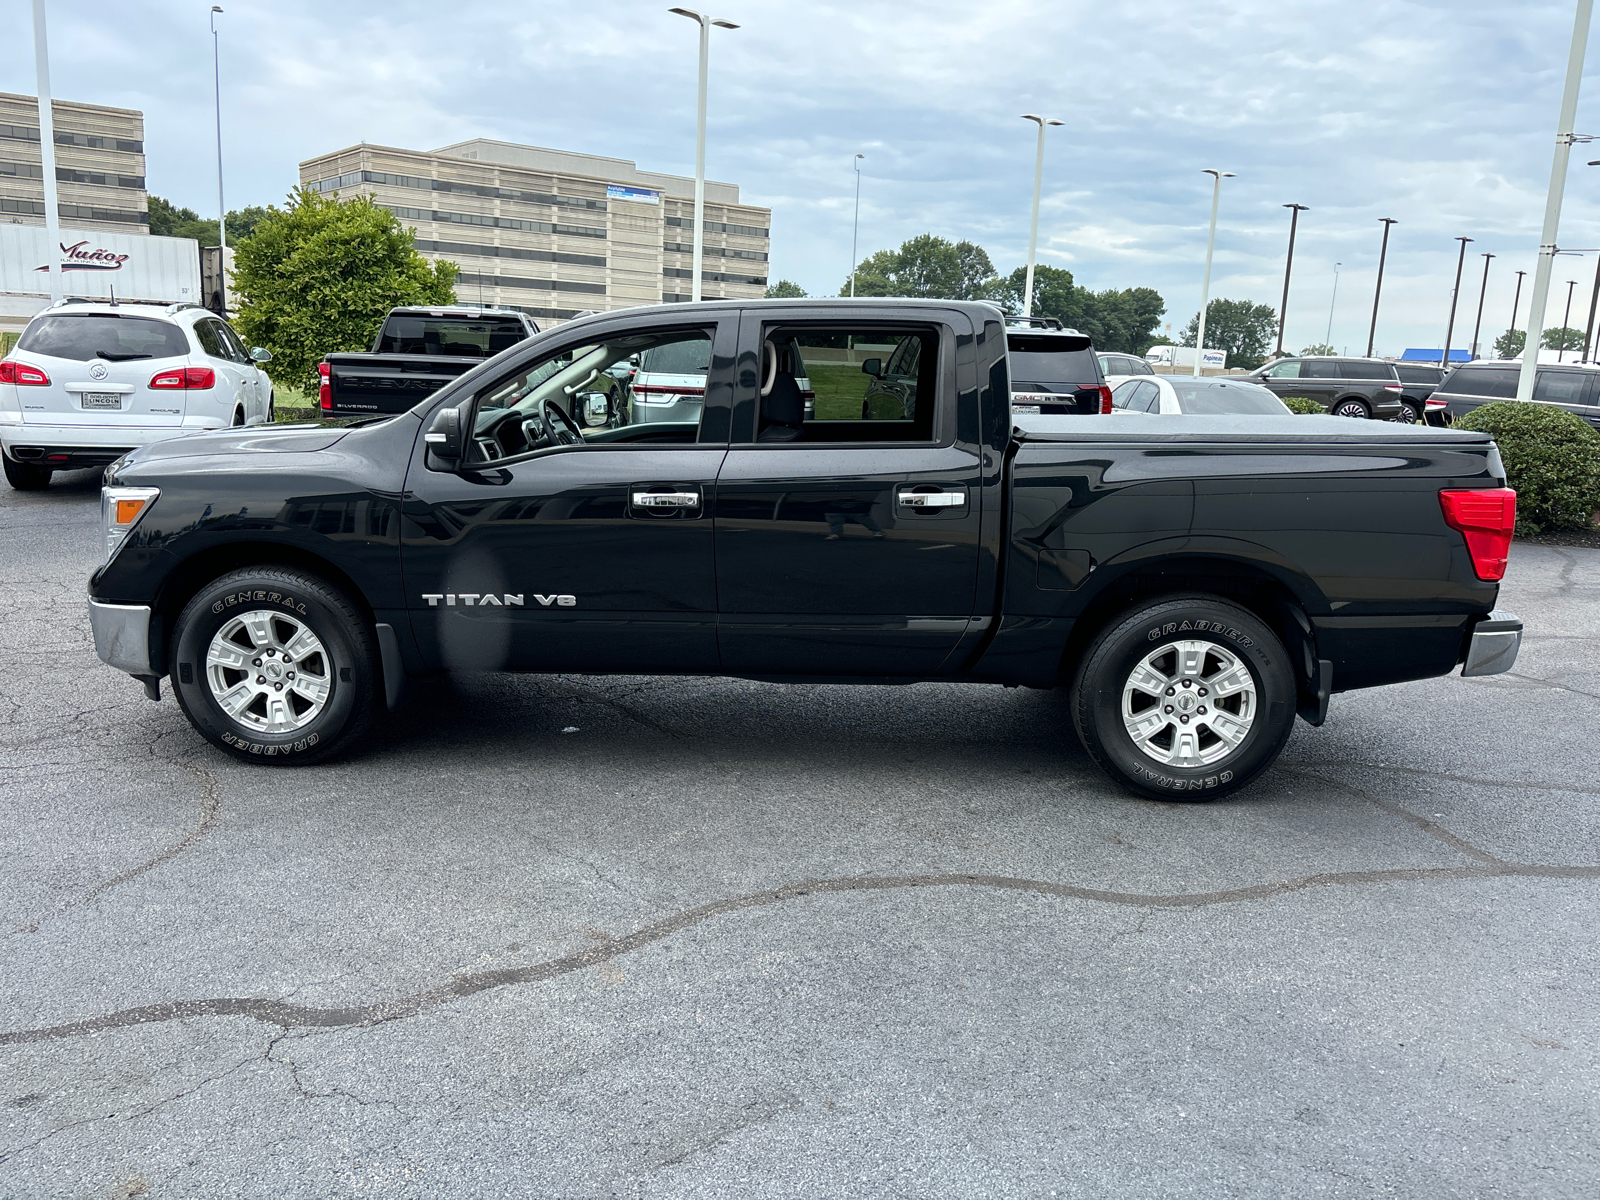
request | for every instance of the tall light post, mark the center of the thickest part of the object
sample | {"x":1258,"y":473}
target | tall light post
{"x":1516,"y":303}
{"x":1552,"y":204}
{"x":1288,"y":264}
{"x":1561,"y":350}
{"x":1482,"y":292}
{"x":1455,"y":294}
{"x":1372,"y":332}
{"x":1205,"y":284}
{"x":1033,"y":225}
{"x":1594,"y":299}
{"x":222,"y":208}
{"x":855,"y":225}
{"x":1328,"y":337}
{"x":705,"y":23}
{"x":47,"y":151}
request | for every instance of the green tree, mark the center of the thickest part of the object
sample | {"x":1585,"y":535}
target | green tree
{"x":318,"y":276}
{"x":926,"y":266}
{"x":1565,"y":338}
{"x":1123,"y":321}
{"x":1314,"y":348}
{"x":1510,"y":343}
{"x":785,"y":290}
{"x":168,"y":220}
{"x":1243,"y":329}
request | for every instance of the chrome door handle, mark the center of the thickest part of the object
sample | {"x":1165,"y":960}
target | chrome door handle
{"x":939,"y":499}
{"x":666,"y":499}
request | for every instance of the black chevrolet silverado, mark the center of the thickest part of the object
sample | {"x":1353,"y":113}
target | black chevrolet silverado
{"x":1195,"y":582}
{"x":417,"y":351}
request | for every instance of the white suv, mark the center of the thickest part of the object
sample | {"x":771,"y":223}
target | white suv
{"x":89,"y":381}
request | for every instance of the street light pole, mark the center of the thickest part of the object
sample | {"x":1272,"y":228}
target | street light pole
{"x":1482,"y":292}
{"x":1449,"y":329}
{"x":1288,"y":265}
{"x":1328,"y":338}
{"x":1594,"y":299}
{"x":705,"y":23}
{"x":222,"y":208}
{"x":855,"y":225}
{"x":1561,"y":349}
{"x":1033,"y":224}
{"x":1205,"y":284}
{"x":47,"y":151}
{"x":1552,"y":204}
{"x":1383,"y":254}
{"x":1516,"y":303}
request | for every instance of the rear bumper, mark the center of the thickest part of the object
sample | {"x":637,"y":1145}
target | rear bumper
{"x":122,"y":636}
{"x":1493,"y":645}
{"x":66,"y":458}
{"x":19,"y":440}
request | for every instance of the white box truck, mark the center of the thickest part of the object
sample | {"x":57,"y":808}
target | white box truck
{"x":1183,"y":356}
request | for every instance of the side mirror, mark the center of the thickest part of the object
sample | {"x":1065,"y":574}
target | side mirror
{"x":596,"y":408}
{"x":444,"y":440}
{"x":873,"y":367}
{"x":260,"y":354}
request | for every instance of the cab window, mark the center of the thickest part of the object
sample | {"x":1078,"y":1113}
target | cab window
{"x":847,"y":385}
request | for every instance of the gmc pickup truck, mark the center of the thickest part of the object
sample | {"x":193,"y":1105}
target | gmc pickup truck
{"x":417,"y":351}
{"x":1195,"y":581}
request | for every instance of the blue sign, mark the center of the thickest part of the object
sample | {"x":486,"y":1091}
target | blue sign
{"x":618,"y":191}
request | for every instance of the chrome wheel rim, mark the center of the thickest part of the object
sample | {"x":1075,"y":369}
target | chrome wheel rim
{"x":1407,"y":415}
{"x":1350,"y":410}
{"x":1189,"y":703}
{"x":268,"y":672}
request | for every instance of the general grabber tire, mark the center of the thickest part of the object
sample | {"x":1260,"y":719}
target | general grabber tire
{"x":275,"y":666}
{"x":1195,"y":657}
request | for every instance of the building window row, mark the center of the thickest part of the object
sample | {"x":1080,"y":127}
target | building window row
{"x":425,"y":214}
{"x":30,"y":133}
{"x":717,"y":276}
{"x":723,"y":251}
{"x":353,"y":178}
{"x":67,"y":175}
{"x":718,"y":227}
{"x":553,"y":285}
{"x":578,"y":260}
{"x":555,"y":314}
{"x":83,"y":212}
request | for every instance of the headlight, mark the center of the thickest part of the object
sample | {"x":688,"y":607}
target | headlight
{"x":120,"y":510}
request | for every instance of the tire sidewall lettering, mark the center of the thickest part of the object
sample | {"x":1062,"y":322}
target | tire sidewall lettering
{"x":1215,"y":628}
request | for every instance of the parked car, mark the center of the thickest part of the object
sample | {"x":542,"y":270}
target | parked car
{"x":1418,"y":382}
{"x":1055,"y":370}
{"x":1174,"y":395}
{"x":668,"y":384}
{"x":1571,"y":387}
{"x":416,"y":352}
{"x":1122,"y":366}
{"x":89,"y":381}
{"x":1346,"y":387}
{"x":1194,"y":582}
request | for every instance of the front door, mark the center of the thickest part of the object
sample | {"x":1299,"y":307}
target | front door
{"x":847,"y":543}
{"x":556,"y":547}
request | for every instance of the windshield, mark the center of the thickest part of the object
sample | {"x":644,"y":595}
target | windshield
{"x":465,"y":337}
{"x":1230,"y":397}
{"x":82,"y":336}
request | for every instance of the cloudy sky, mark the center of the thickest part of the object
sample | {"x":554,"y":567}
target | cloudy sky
{"x":1440,"y":113}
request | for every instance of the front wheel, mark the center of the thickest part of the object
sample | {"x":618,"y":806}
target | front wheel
{"x":1351,"y":408}
{"x":1189,"y":698}
{"x":275,"y":665}
{"x":1409,"y":414}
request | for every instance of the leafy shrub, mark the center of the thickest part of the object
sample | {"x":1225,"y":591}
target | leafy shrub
{"x":1552,"y":459}
{"x":1299,"y":404}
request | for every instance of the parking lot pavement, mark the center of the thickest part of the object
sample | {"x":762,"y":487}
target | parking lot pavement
{"x":590,"y":937}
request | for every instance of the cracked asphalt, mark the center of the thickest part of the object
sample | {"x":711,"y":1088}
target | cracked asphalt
{"x":595,"y":937}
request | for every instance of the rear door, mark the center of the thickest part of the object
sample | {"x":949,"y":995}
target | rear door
{"x":850,"y":548}
{"x":100,"y":367}
{"x":1568,"y":390}
{"x":234,"y":393}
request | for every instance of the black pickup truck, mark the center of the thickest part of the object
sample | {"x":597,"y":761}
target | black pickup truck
{"x":417,"y":351}
{"x":1195,"y":581}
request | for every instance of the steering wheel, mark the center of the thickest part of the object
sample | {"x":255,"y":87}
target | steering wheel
{"x":562,"y":429}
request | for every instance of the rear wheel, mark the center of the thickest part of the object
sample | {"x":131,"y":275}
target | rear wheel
{"x":1409,"y":414}
{"x":275,"y":665}
{"x":1351,"y":408}
{"x":26,"y":477}
{"x":1189,"y":698}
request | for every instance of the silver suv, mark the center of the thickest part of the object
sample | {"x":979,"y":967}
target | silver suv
{"x":87,"y":382}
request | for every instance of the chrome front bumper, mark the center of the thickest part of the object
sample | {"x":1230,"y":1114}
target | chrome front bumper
{"x":1494,"y":644}
{"x":122,"y":636}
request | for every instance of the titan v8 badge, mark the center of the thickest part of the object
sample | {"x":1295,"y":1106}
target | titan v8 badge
{"x":503,"y":600}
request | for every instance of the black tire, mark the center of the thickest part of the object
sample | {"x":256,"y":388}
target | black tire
{"x":288,"y":600}
{"x":1351,"y":407}
{"x":1410,"y":413}
{"x":1151,"y":635}
{"x":26,"y":477}
{"x":238,"y":417}
{"x":272,"y":409}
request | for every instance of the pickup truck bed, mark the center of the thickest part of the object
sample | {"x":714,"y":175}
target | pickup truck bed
{"x":1195,"y":581}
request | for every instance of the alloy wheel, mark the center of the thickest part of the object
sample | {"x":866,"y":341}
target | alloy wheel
{"x":268,"y":671}
{"x":1189,"y":703}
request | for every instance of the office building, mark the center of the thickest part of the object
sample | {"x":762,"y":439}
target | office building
{"x":99,"y":166}
{"x":555,"y":233}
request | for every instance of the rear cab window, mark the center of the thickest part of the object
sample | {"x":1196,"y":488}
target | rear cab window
{"x":82,"y":336}
{"x":462,"y":337}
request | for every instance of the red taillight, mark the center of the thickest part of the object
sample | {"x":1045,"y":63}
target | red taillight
{"x":184,"y":378}
{"x":1105,"y":399}
{"x":325,"y":388}
{"x":1486,"y":517}
{"x":22,"y":374}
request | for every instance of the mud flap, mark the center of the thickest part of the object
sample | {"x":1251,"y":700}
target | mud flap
{"x":1314,"y":700}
